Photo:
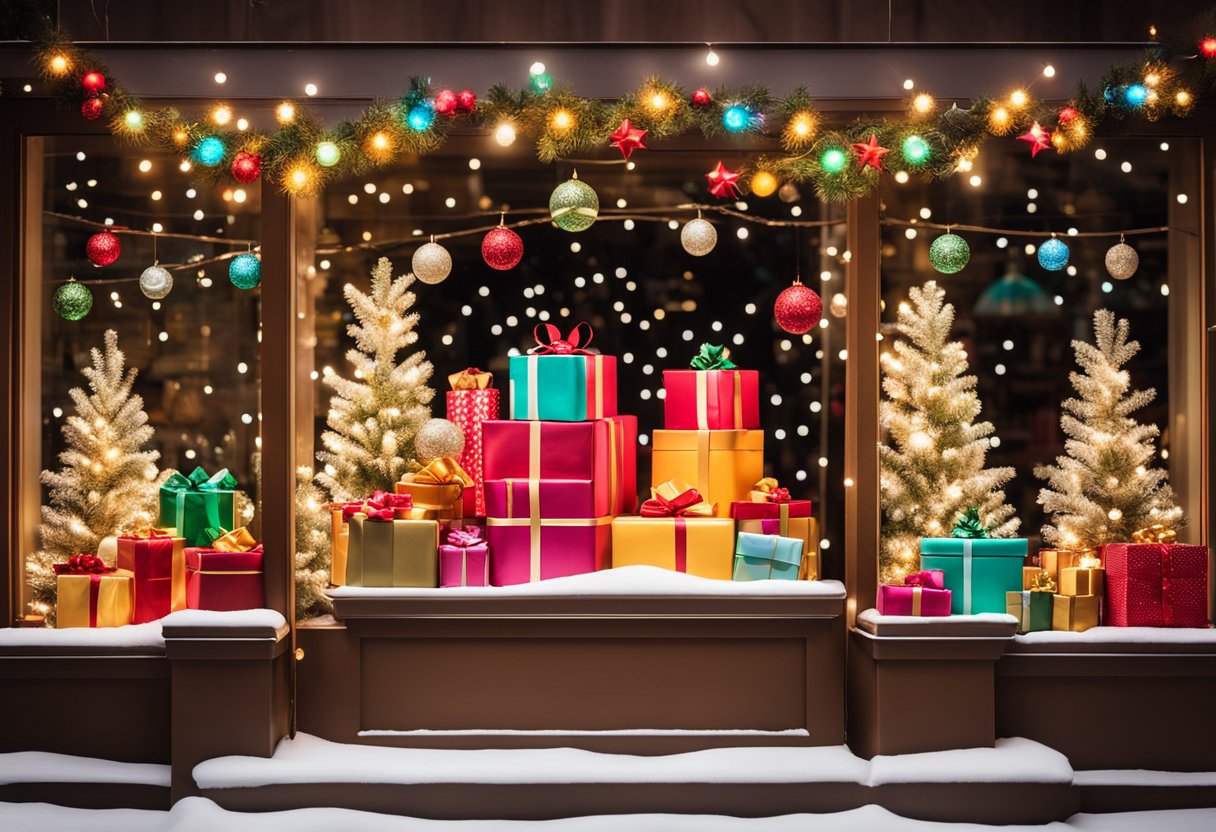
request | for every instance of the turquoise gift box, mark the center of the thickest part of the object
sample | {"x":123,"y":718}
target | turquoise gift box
{"x":562,"y":388}
{"x":763,"y":557}
{"x":979,"y":571}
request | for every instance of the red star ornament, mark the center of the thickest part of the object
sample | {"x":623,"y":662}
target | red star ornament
{"x":870,"y":153}
{"x":1038,"y":138}
{"x":628,"y":138}
{"x":722,"y":182}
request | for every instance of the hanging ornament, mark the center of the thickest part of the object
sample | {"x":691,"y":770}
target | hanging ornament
{"x":1067,"y":114}
{"x":574,"y":205}
{"x":839,"y":307}
{"x":1037,"y":138}
{"x":798,"y":308}
{"x":1122,"y":260}
{"x":431,"y":263}
{"x":700,"y":98}
{"x":628,"y":138}
{"x":155,"y":282}
{"x":245,"y":271}
{"x":502,"y":249}
{"x":698,"y":236}
{"x":1207,"y":48}
{"x":763,"y":183}
{"x":870,"y":153}
{"x":722,"y":182}
{"x":788,"y":193}
{"x":93,"y":82}
{"x":420,"y":117}
{"x":1053,"y":254}
{"x":438,"y":438}
{"x":92,"y":108}
{"x":446,"y":103}
{"x":949,"y":253}
{"x":209,"y":151}
{"x":72,"y":300}
{"x":103,"y":248}
{"x":467,"y":101}
{"x":246,"y":167}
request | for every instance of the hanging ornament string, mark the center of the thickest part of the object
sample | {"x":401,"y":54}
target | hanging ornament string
{"x":1017,"y":232}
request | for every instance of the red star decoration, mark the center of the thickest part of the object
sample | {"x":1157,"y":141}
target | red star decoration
{"x":1038,"y":138}
{"x":870,"y":153}
{"x":722,"y":182}
{"x":628,"y":138}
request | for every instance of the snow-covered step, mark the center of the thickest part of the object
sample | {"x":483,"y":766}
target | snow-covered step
{"x":1121,"y":790}
{"x":84,"y":782}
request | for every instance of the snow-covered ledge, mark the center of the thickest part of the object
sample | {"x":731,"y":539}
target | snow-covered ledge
{"x":141,"y":639}
{"x":982,"y":625}
{"x":46,"y":767}
{"x":1154,"y":640}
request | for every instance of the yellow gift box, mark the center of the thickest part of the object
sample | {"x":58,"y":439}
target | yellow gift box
{"x":703,"y":546}
{"x":804,"y":528}
{"x":392,"y":553}
{"x":1054,"y":560}
{"x":437,"y":490}
{"x":339,"y":540}
{"x":723,"y":465}
{"x":1074,"y":613}
{"x":109,"y":596}
{"x":1037,"y":578}
{"x":1080,"y":580}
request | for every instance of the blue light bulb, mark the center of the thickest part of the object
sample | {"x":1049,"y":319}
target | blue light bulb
{"x":209,"y":151}
{"x":1136,"y":94}
{"x":420,"y":117}
{"x":736,"y":118}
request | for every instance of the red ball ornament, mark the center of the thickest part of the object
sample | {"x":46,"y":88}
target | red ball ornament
{"x":246,"y":167}
{"x":798,"y":309}
{"x":93,"y":82}
{"x":1207,"y":47}
{"x":1067,"y":114}
{"x":103,"y":248}
{"x":91,"y":108}
{"x":502,"y":249}
{"x":700,"y":98}
{"x":468,"y":100}
{"x":446,"y":102}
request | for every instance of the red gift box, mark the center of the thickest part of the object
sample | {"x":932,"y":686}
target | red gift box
{"x":922,"y":594}
{"x":750,"y":510}
{"x":468,"y":409}
{"x":158,"y":566}
{"x":711,"y":399}
{"x":603,"y":451}
{"x":224,"y":580}
{"x":1155,"y":585}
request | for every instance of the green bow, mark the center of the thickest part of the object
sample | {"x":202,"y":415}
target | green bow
{"x":712,"y":358}
{"x":969,"y":525}
{"x":200,"y":480}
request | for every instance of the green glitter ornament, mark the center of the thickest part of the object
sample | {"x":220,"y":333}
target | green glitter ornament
{"x":72,"y":300}
{"x":949,"y":253}
{"x":245,"y":271}
{"x":574,"y":205}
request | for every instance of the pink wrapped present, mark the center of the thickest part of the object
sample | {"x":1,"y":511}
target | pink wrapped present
{"x":603,"y":451}
{"x":472,"y":401}
{"x":464,"y":558}
{"x":1155,"y":585}
{"x":527,"y":550}
{"x":549,"y":499}
{"x":922,"y":594}
{"x":711,"y":399}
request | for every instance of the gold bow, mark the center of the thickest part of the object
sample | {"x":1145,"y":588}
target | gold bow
{"x":1156,"y":533}
{"x":761,"y":490}
{"x":442,"y":471}
{"x":1043,"y":582}
{"x":237,"y":540}
{"x":147,"y":532}
{"x":676,"y":498}
{"x":471,"y":379}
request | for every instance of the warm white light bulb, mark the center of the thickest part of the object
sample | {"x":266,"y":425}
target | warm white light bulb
{"x":504,"y":134}
{"x":711,"y":57}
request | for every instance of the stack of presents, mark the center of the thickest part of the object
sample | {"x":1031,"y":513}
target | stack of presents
{"x":551,"y":491}
{"x":194,"y":558}
{"x":1152,"y":581}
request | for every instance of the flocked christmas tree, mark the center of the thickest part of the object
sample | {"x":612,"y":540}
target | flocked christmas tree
{"x":933,"y":470}
{"x":108,"y":482}
{"x":373,"y":417}
{"x":1103,"y":488}
{"x":313,"y":555}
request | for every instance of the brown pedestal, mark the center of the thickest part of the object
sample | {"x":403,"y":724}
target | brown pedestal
{"x":922,"y":686}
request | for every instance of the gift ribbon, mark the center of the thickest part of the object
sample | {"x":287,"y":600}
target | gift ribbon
{"x":930,"y":578}
{"x":1157,"y":533}
{"x":917,"y":591}
{"x":237,"y":540}
{"x":969,"y":525}
{"x":535,"y":529}
{"x":208,"y":486}
{"x":1043,"y":582}
{"x":702,"y":381}
{"x":553,"y":344}
{"x":967,"y":576}
{"x":471,"y":379}
{"x":464,"y":538}
{"x":616,"y":493}
{"x":146,"y":533}
{"x":676,"y":498}
{"x":712,"y":357}
{"x":703,"y":451}
{"x":443,"y":471}
{"x":83,"y":565}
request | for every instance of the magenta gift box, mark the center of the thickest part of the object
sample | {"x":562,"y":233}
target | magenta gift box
{"x":751,"y":510}
{"x":535,"y":550}
{"x":901,"y":600}
{"x":464,"y":565}
{"x":224,"y":580}
{"x":554,"y":499}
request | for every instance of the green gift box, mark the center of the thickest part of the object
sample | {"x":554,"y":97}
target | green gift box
{"x":979,"y":571}
{"x":562,"y":388}
{"x":392,"y":552}
{"x":198,"y":504}
{"x":1033,"y":610}
{"x":762,"y":557}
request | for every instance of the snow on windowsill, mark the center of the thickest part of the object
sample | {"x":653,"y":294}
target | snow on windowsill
{"x":1144,"y":778}
{"x":625,"y":581}
{"x":872,"y":616}
{"x":272,"y":619}
{"x":134,"y":637}
{"x":560,"y":732}
{"x":1122,"y":635}
{"x":45,"y":767}
{"x":1013,"y":760}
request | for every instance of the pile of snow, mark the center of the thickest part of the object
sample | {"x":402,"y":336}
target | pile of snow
{"x":134,"y":637}
{"x":872,"y":616}
{"x":1123,"y":635}
{"x":1144,"y":778}
{"x":1013,"y":760}
{"x":272,"y":619}
{"x":45,"y":767}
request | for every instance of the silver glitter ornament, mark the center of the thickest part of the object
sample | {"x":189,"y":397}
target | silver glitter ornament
{"x":155,"y":282}
{"x":698,"y":236}
{"x":1122,"y":260}
{"x":431,"y":263}
{"x":438,"y":438}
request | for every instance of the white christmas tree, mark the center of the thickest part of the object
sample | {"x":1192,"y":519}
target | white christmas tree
{"x":933,"y":470}
{"x":109,"y":481}
{"x":1103,"y":488}
{"x":374,"y":417}
{"x":313,"y":555}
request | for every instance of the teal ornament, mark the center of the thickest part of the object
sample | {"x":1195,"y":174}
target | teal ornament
{"x":916,"y":151}
{"x":245,"y":271}
{"x":949,"y":253}
{"x":421,"y":117}
{"x":736,"y":118}
{"x":541,"y":82}
{"x":1053,"y":255}
{"x":209,"y":152}
{"x":833,"y":160}
{"x":72,"y":300}
{"x":574,"y":205}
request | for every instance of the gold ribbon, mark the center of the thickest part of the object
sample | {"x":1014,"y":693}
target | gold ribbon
{"x":613,"y":445}
{"x":1156,"y":533}
{"x":534,"y":450}
{"x":237,"y":540}
{"x":703,"y":450}
{"x":599,"y":386}
{"x":702,"y":401}
{"x":703,"y":398}
{"x":226,"y":571}
{"x":674,"y":488}
{"x":1043,"y":582}
{"x":471,"y":379}
{"x":738,"y":395}
{"x":147,"y":532}
{"x":916,"y":598}
{"x":534,"y":524}
{"x":534,"y":528}
{"x":442,"y":471}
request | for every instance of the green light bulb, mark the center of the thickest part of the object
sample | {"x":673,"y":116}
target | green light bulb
{"x":833,"y":160}
{"x":916,"y":150}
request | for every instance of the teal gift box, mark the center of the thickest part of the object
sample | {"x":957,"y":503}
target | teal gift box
{"x":762,"y":557}
{"x":979,"y":571}
{"x":199,"y":504}
{"x":562,"y":388}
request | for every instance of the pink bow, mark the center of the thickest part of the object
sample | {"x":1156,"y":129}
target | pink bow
{"x":553,"y":344}
{"x":381,"y":506}
{"x":927,"y":578}
{"x":464,"y":538}
{"x":779,"y":495}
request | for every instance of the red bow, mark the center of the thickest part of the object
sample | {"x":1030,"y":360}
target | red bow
{"x":678,"y":506}
{"x":553,"y":344}
{"x":779,"y":495}
{"x":83,"y":565}
{"x":927,"y":578}
{"x":381,"y":506}
{"x":464,"y":538}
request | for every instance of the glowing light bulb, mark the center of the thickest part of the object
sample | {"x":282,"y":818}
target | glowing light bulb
{"x":134,"y":120}
{"x":504,"y":134}
{"x":380,"y":141}
{"x":222,"y":114}
{"x":659,"y":101}
{"x":562,"y":120}
{"x":923,"y":103}
{"x":285,"y":112}
{"x":711,"y":57}
{"x":1019,"y":98}
{"x":1049,"y":71}
{"x":1182,"y":98}
{"x":1115,"y":514}
{"x":920,"y":441}
{"x":59,"y":64}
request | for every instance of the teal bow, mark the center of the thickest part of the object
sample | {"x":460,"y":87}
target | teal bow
{"x":969,"y":525}
{"x":712,"y":357}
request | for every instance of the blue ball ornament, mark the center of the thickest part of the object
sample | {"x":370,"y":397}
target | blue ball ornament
{"x":210,"y":151}
{"x":420,"y":117}
{"x":1053,"y":255}
{"x":245,"y":271}
{"x":1135,"y":95}
{"x":736,"y":118}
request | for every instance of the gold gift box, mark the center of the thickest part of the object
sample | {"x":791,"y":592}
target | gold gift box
{"x":1080,"y":580}
{"x":434,"y":501}
{"x":392,"y":553}
{"x":1053,"y":560}
{"x":709,"y":544}
{"x":339,"y":540}
{"x":115,"y":599}
{"x":805,"y":528}
{"x":723,"y":465}
{"x":1074,"y":613}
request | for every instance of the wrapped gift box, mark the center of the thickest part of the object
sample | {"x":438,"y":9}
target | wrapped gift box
{"x":978,"y":571}
{"x":562,"y":388}
{"x":1054,"y":560}
{"x":804,"y":528}
{"x":392,"y":553}
{"x":556,"y":499}
{"x":193,"y":504}
{"x":217,"y":580}
{"x":472,"y":401}
{"x":339,"y":540}
{"x":1033,"y":576}
{"x":528,"y":550}
{"x":711,"y":399}
{"x":920,"y":595}
{"x":436,"y":492}
{"x":721,"y":464}
{"x":603,"y":451}
{"x":1074,"y":613}
{"x":761,"y":557}
{"x":157,"y":562}
{"x":701,"y":546}
{"x":104,"y":598}
{"x":1081,"y":580}
{"x":1156,"y":585}
{"x":1033,"y":610}
{"x":464,"y":558}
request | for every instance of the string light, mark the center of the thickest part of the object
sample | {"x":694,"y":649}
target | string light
{"x":924,"y":104}
{"x":59,"y":64}
{"x":1049,"y":71}
{"x":504,"y":134}
{"x":561,"y":121}
{"x":1019,"y":99}
{"x":711,"y":57}
{"x":285,"y":113}
{"x":221,"y":114}
{"x":800,"y":130}
{"x":133,"y":120}
{"x":999,"y":121}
